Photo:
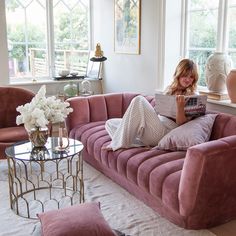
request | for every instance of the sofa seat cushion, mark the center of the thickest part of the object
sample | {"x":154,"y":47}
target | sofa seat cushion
{"x":13,"y":134}
{"x":155,"y":171}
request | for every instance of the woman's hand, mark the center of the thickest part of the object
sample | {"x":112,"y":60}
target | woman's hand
{"x":180,"y":113}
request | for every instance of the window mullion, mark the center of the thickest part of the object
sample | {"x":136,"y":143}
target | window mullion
{"x":161,"y":43}
{"x":3,"y":47}
{"x":50,"y":38}
{"x":225,"y":27}
{"x":222,"y":26}
{"x":91,"y":19}
{"x":26,"y":40}
{"x":184,"y":28}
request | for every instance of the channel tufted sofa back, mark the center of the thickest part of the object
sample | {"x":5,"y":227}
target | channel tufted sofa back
{"x":106,"y":106}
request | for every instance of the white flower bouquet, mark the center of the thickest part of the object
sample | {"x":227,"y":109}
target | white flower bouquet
{"x":42,"y":110}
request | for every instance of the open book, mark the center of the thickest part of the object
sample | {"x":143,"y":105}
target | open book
{"x":166,"y":105}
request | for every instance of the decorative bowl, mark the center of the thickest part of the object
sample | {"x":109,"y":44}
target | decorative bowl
{"x":64,"y":72}
{"x":74,"y":73}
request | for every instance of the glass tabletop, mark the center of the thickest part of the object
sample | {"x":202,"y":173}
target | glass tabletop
{"x":24,"y":150}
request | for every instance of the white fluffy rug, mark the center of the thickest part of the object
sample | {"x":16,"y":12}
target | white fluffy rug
{"x":122,"y":211}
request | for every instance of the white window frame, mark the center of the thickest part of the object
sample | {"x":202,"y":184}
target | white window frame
{"x":5,"y":78}
{"x":170,"y":53}
{"x":185,"y":22}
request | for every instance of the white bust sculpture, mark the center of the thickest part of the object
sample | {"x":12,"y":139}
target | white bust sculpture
{"x":218,"y":66}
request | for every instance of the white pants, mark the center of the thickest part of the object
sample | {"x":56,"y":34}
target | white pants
{"x":140,"y":126}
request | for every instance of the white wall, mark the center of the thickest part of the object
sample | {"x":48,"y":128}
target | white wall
{"x":123,"y":72}
{"x":139,"y":73}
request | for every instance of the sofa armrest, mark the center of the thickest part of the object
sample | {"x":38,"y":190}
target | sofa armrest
{"x":94,"y":108}
{"x":208,"y":177}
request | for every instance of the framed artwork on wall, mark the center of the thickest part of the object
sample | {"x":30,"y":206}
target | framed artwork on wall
{"x":127,"y":26}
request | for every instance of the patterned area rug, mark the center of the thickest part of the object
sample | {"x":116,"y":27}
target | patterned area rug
{"x":122,"y":211}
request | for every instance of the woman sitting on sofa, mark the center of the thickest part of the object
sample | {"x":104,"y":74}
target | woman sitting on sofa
{"x":141,"y":125}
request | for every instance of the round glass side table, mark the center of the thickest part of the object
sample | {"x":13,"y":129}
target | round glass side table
{"x":42,"y":179}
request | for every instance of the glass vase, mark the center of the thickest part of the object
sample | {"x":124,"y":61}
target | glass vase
{"x":38,"y":136}
{"x":70,"y":89}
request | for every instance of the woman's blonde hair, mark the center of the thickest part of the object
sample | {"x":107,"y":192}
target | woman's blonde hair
{"x":186,"y":67}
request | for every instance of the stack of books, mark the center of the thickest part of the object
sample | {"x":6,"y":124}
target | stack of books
{"x":215,"y":95}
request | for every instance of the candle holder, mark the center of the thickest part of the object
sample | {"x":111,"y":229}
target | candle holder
{"x":63,"y":140}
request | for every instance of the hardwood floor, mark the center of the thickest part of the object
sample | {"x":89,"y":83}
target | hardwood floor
{"x":228,"y":229}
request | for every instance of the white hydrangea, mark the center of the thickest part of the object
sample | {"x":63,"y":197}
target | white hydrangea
{"x":42,"y":110}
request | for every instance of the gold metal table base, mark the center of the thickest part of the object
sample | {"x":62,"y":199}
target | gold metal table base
{"x":37,"y":186}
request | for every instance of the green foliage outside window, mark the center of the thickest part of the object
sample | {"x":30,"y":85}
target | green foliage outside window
{"x":17,"y":38}
{"x":76,"y":32}
{"x":71,"y":30}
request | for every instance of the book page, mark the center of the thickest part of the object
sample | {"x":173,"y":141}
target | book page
{"x":165,"y":105}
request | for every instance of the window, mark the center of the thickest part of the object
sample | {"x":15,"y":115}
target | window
{"x":208,"y":31}
{"x":45,"y":37}
{"x":232,"y":30}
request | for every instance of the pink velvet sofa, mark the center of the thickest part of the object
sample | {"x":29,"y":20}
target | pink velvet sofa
{"x":194,"y":189}
{"x":10,"y":132}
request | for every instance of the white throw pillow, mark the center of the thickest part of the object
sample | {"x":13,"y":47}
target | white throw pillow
{"x":189,"y":134}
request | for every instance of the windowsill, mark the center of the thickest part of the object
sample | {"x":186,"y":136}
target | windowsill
{"x":227,"y":103}
{"x":222,"y":103}
{"x":47,"y":81}
{"x":42,"y":82}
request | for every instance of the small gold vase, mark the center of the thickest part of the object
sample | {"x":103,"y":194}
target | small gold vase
{"x":38,"y":136}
